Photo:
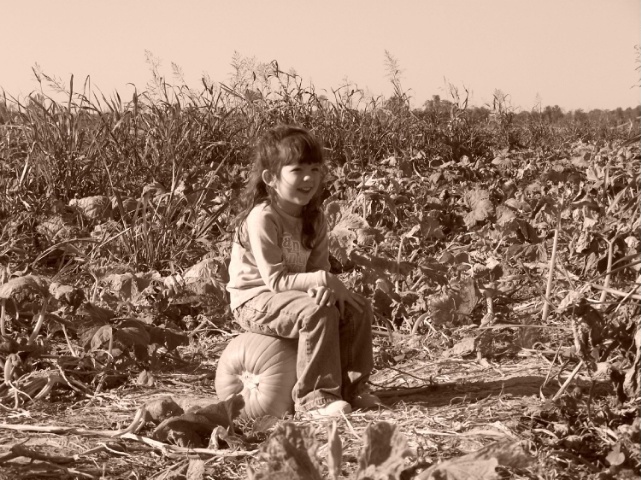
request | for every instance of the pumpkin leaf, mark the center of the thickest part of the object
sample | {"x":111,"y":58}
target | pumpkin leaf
{"x":194,"y":427}
{"x":431,"y":228}
{"x":454,"y":306}
{"x":167,"y":337}
{"x":95,"y":208}
{"x":129,"y":287}
{"x":345,"y":233}
{"x":67,"y":294}
{"x":504,"y":215}
{"x":481,"y":207}
{"x":132,"y":332}
{"x":23,"y":286}
{"x":480,"y":465}
{"x":56,"y":228}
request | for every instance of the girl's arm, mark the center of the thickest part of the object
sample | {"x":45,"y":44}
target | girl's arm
{"x":337,"y":292}
{"x":262,"y":231}
{"x":319,"y":258}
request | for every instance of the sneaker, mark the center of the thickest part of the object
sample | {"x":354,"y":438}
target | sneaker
{"x":366,"y":400}
{"x":333,"y":409}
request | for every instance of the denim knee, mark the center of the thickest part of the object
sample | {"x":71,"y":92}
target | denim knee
{"x":322,"y":317}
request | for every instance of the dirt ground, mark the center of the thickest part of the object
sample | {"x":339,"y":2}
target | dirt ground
{"x":445,"y":408}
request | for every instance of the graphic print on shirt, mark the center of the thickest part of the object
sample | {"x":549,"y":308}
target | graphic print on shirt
{"x":294,"y":254}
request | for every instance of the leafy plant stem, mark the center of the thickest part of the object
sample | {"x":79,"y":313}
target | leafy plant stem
{"x":2,"y":316}
{"x":606,"y":282}
{"x":568,"y":380}
{"x":548,"y":290}
{"x":41,"y":319}
{"x":73,"y":352}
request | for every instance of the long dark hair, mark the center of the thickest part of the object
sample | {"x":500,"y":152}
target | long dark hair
{"x":280,"y":146}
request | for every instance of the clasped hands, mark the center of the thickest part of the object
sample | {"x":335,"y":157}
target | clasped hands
{"x":336,"y":294}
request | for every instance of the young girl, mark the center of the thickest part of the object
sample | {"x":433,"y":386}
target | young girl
{"x":280,"y":283}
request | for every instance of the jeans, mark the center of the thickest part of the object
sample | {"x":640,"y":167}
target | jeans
{"x":334,"y":354}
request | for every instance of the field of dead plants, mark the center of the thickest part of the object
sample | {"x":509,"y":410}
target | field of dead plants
{"x":501,"y":257}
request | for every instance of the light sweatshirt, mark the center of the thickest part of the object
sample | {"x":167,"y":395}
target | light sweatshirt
{"x":273,"y":258}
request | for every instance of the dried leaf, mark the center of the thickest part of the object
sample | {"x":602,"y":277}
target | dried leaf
{"x":461,"y":469}
{"x":334,"y":451}
{"x":384,"y":452}
{"x":100,"y":336}
{"x":187,"y":430}
{"x":616,"y":457}
{"x":161,"y":408}
{"x":467,"y":346}
{"x":196,"y":469}
{"x":145,"y":379}
{"x":222,"y":413}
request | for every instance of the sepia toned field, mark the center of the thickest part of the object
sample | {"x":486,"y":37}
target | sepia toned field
{"x":500,"y":250}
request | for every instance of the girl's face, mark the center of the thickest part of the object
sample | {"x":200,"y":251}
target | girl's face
{"x":295,"y":186}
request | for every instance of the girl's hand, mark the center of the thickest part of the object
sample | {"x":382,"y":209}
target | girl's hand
{"x":344,"y":295}
{"x":323,"y":296}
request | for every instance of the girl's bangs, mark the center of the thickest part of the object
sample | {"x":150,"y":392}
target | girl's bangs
{"x":301,"y":150}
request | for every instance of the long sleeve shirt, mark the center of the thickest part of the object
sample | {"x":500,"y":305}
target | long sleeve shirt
{"x":273,"y":258}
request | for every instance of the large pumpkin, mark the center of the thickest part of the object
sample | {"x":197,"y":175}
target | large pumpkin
{"x":263,"y":370}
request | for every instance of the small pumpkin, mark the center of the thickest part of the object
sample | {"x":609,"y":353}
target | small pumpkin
{"x":263,"y":370}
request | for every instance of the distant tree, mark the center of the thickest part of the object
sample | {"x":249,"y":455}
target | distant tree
{"x":580,"y":116}
{"x":553,"y":114}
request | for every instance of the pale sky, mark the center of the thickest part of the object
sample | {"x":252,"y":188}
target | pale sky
{"x":571,"y":53}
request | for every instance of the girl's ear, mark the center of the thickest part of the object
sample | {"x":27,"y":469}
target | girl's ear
{"x":268,"y":177}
